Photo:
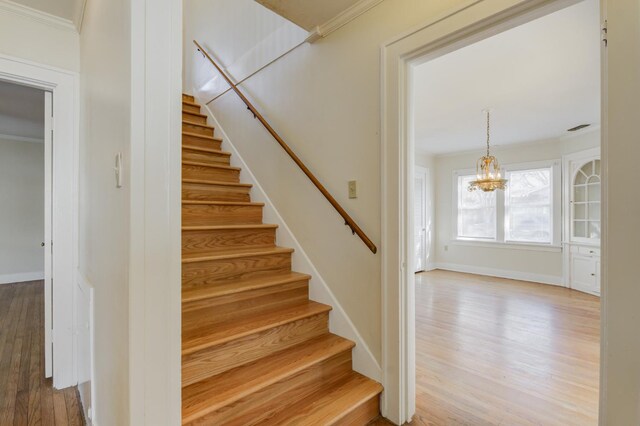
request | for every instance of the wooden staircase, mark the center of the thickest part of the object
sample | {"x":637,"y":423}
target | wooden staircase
{"x":255,"y":349}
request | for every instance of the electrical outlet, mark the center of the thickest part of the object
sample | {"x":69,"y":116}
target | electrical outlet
{"x":353,"y":189}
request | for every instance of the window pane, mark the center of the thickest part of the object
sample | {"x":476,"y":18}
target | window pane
{"x":528,"y":206}
{"x":476,"y":211}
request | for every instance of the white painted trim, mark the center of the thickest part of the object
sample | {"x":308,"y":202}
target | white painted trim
{"x":65,"y":87}
{"x":342,"y":19}
{"x":85,"y":286}
{"x":470,"y":22}
{"x":21,"y":277}
{"x":502,"y":273}
{"x":14,"y":138}
{"x":155,"y":320}
{"x":339,"y":322}
{"x":13,"y":8}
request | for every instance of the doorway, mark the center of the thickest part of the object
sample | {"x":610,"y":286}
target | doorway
{"x":462,"y":27}
{"x":57,"y":92}
{"x":496,"y":299}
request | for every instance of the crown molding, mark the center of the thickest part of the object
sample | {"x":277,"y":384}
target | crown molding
{"x":342,"y":19}
{"x":13,"y":8}
{"x":13,"y":138}
{"x":505,"y":147}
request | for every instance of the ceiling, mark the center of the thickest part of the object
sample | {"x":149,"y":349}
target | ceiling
{"x":70,"y":10}
{"x":308,"y":14}
{"x":538,"y":80}
{"x":21,"y":112}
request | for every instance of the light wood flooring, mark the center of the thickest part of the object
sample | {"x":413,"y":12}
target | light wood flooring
{"x":26,"y":397}
{"x":491,"y":351}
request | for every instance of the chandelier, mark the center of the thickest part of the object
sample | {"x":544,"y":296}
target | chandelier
{"x":488,"y":175}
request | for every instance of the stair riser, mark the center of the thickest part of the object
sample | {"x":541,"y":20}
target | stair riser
{"x":213,"y":241}
{"x":299,"y":385}
{"x":201,"y":142}
{"x":204,"y":214}
{"x":188,"y":98}
{"x":205,"y":157}
{"x":190,"y":171}
{"x":206,"y":131}
{"x":218,"y":359}
{"x":190,"y":108}
{"x":287,"y":292}
{"x":362,"y":415}
{"x":216,"y":271}
{"x":194,"y":118}
{"x":202,"y":192}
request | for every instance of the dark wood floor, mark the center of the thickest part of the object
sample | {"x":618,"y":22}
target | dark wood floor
{"x":491,"y":351}
{"x":26,"y":397}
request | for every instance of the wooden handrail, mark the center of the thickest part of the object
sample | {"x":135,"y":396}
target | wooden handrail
{"x":348,"y":221}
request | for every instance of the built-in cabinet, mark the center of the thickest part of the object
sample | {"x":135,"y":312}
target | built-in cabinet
{"x":583,"y":196}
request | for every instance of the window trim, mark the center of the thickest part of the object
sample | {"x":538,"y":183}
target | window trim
{"x":500,"y":240}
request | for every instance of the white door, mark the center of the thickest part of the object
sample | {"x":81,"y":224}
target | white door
{"x":420,"y":220}
{"x":48,"y":248}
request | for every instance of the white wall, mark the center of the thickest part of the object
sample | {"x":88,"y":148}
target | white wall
{"x":522,"y":262}
{"x":23,"y":36}
{"x":620,"y":373}
{"x":261,"y":38}
{"x":324,"y":99}
{"x":22,"y":211}
{"x":105,"y":46}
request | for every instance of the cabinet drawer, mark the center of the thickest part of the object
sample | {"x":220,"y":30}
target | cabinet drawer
{"x":589,"y":251}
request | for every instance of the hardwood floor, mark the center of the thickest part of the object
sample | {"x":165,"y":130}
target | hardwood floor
{"x":491,"y":351}
{"x":26,"y":397}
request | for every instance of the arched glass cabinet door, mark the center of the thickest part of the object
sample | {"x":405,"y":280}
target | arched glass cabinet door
{"x":586,"y":196}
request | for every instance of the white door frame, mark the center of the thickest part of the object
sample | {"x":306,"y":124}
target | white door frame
{"x":469,"y":22}
{"x":64,"y":210}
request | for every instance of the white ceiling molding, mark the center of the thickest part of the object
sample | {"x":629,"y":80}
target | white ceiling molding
{"x":79,"y":17}
{"x":342,"y":19}
{"x":13,"y":8}
{"x":19,"y":139}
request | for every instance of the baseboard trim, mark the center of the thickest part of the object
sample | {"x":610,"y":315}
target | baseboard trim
{"x":503,"y":273}
{"x":21,"y":277}
{"x":339,"y":322}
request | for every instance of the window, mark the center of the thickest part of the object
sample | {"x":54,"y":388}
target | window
{"x":528,"y":212}
{"x":528,"y":206}
{"x":476,"y":211}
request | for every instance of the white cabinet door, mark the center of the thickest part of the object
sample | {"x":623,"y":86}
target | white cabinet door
{"x":584,"y":273}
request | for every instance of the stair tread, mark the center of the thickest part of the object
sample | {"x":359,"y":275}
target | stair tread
{"x":190,"y":103}
{"x":200,"y":330}
{"x":210,"y":150}
{"x":206,"y":292}
{"x":223,"y":203}
{"x":198,"y":114}
{"x":236,"y":253}
{"x":217,"y":182}
{"x":234,"y":226}
{"x":198,"y":135}
{"x":331,"y":404}
{"x":193,"y":123}
{"x":211,"y":165}
{"x":218,"y":391}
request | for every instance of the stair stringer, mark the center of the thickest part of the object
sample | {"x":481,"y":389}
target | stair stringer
{"x":339,"y":322}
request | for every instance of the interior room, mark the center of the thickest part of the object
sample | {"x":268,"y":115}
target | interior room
{"x":507,"y":193}
{"x":27,"y":394}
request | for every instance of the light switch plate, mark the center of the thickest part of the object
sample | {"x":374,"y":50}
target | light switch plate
{"x":353,"y":189}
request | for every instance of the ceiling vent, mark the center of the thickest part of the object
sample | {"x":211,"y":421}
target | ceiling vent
{"x":580,"y":127}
